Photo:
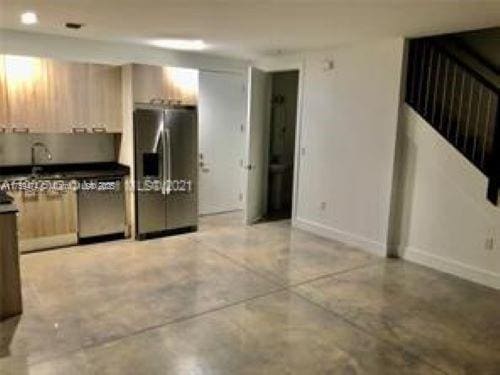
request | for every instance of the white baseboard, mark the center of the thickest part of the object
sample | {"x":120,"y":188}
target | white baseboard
{"x":218,"y":212}
{"x":48,"y":242}
{"x":451,"y":266}
{"x":352,"y":239}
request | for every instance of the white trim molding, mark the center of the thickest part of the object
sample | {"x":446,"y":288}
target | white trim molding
{"x":365,"y":244}
{"x":451,"y":266}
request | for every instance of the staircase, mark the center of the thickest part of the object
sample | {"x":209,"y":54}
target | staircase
{"x":460,"y":103}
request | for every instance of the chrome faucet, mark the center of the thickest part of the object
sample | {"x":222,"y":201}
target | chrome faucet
{"x":48,"y":155}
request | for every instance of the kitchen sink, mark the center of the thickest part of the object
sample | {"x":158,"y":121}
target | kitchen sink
{"x":18,"y":178}
{"x":54,"y":176}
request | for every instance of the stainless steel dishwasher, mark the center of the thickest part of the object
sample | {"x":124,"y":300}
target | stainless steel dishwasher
{"x":101,"y":209}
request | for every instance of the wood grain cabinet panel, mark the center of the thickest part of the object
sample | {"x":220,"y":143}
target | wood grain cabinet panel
{"x":68,"y":96}
{"x":10,"y":276}
{"x":4,"y":113}
{"x":27,"y":93}
{"x":147,"y":83}
{"x":181,"y":84}
{"x":156,"y":83}
{"x":55,"y":96}
{"x":105,"y":109}
{"x":46,"y":219}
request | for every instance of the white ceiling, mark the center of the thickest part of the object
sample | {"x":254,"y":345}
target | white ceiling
{"x":251,"y":29}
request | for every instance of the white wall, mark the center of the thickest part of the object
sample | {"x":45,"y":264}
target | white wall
{"x":348,"y":130}
{"x":443,"y":214}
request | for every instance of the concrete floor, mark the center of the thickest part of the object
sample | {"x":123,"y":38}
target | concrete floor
{"x":230,"y":299}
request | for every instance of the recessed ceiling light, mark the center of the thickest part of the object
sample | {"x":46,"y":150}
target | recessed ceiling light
{"x":182,"y":44}
{"x":29,"y":18}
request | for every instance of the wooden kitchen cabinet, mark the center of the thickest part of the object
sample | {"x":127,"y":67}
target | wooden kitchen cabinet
{"x":27,"y":88}
{"x":68,"y":96}
{"x":46,"y":219}
{"x":11,"y":303}
{"x":105,"y":101}
{"x":147,"y":83}
{"x":4,"y":114}
{"x":181,"y":84}
{"x":156,"y":83}
{"x":55,"y":96}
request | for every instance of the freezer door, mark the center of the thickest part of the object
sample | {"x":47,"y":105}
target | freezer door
{"x":150,"y":170}
{"x":181,"y":134}
{"x":148,"y":141}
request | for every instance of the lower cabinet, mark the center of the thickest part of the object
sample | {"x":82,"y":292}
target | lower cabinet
{"x":11,"y":303}
{"x":46,"y":219}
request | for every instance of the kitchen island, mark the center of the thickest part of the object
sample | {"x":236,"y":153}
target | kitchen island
{"x":10,"y":277}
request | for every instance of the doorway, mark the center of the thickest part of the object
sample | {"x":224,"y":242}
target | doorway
{"x":222,"y":115}
{"x":271,"y":147}
{"x":282,"y":133}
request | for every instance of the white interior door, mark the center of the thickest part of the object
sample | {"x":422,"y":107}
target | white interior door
{"x":259,"y":104}
{"x":222,"y":115}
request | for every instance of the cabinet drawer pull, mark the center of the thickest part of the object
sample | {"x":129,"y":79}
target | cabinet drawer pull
{"x":79,"y":130}
{"x":174,"y":102}
{"x":53,"y":194}
{"x":29,"y":195}
{"x":157,"y":101}
{"x":20,"y":130}
{"x":99,"y":129}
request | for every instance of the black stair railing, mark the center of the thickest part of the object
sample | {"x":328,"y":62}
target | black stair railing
{"x":459,"y":103}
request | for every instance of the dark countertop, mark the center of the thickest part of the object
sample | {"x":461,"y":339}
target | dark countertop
{"x":66,"y":171}
{"x":8,"y":208}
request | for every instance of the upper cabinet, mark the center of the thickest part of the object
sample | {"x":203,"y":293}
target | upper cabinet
{"x":45,"y":95}
{"x":3,"y":97}
{"x":147,"y":83}
{"x":105,"y":99}
{"x":156,"y":83}
{"x":27,"y":93}
{"x":181,"y":84}
{"x":54,"y":96}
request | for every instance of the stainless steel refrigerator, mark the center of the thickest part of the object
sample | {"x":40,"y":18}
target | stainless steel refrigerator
{"x":166,"y":171}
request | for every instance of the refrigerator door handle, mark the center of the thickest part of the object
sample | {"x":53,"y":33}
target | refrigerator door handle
{"x":169,"y":153}
{"x":164,"y":186}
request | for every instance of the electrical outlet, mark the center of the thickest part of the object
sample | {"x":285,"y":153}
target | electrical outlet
{"x":489,"y":244}
{"x":322,"y":206}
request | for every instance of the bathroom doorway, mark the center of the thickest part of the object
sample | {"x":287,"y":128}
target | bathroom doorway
{"x":282,"y":133}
